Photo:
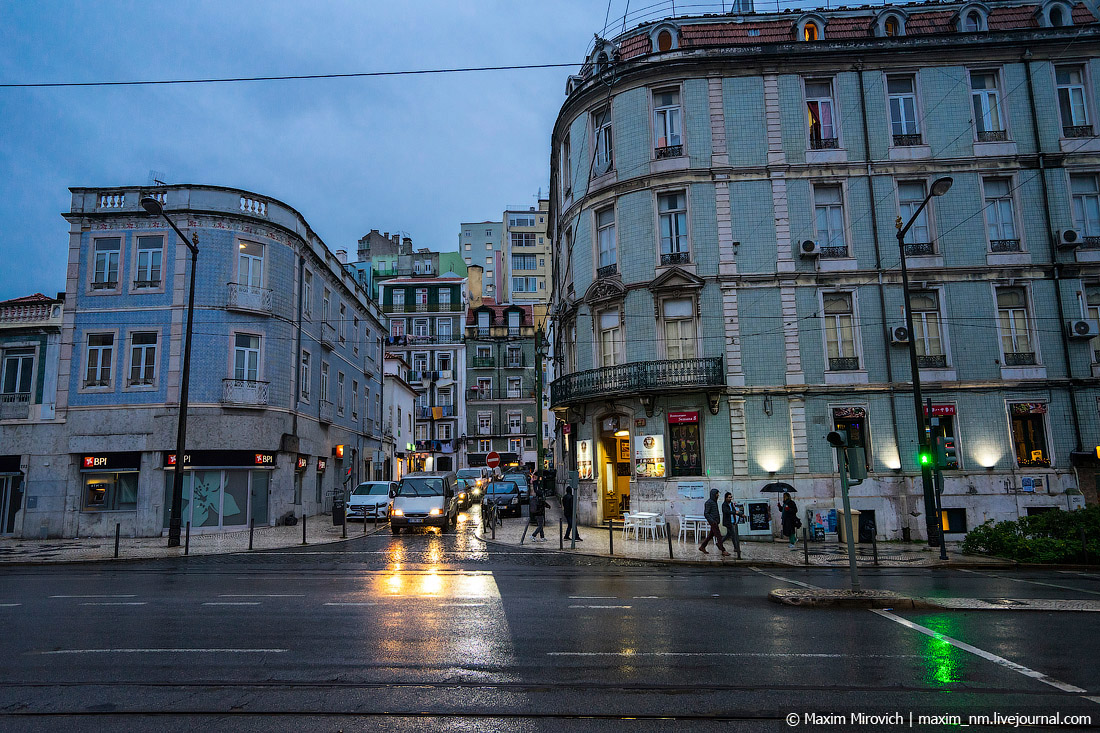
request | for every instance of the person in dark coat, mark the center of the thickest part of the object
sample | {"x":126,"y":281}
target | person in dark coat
{"x":567,"y":510}
{"x":538,"y":514}
{"x":711,"y":514}
{"x":789,"y":512}
{"x":727,"y":517}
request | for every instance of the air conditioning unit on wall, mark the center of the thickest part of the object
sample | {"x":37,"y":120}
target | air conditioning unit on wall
{"x":899,"y":335}
{"x":809,"y":248}
{"x":1083,"y":329}
{"x":1070,"y":237}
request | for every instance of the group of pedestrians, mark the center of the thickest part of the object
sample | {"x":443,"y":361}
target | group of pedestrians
{"x":730,"y":515}
{"x":537,"y":506}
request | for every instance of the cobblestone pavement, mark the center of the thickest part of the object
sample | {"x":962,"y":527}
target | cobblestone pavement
{"x":595,"y":541}
{"x":319,"y":530}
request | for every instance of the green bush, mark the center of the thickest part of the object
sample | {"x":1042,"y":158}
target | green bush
{"x":1050,"y":537}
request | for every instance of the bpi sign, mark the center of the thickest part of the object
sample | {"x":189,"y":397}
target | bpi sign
{"x":95,"y":461}
{"x":492,"y":460}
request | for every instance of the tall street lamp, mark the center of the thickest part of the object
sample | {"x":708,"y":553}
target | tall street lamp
{"x":939,"y":187}
{"x":154,"y":207}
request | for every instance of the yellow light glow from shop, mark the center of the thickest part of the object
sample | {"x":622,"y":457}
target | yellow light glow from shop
{"x":622,"y":433}
{"x":986,"y":455}
{"x":770,"y":462}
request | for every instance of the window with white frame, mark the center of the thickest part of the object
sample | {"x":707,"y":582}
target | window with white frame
{"x":307,"y":293}
{"x":443,"y":431}
{"x":522,"y":239}
{"x":485,"y":423}
{"x":515,"y":356}
{"x":611,"y":338}
{"x":672,"y":222}
{"x":304,"y":388}
{"x":927,"y":329}
{"x":246,"y":357}
{"x":483,"y":323}
{"x":250,"y":264}
{"x":420,"y":361}
{"x":679,"y":328}
{"x":566,"y":167}
{"x":840,"y":332}
{"x":513,"y":387}
{"x":1092,"y":313}
{"x":515,"y":445}
{"x":398,"y":299}
{"x":514,"y":321}
{"x":444,"y":360}
{"x":902,"y":97}
{"x":444,"y":297}
{"x":355,"y":398}
{"x":520,"y":220}
{"x":484,"y":446}
{"x":1029,"y":430}
{"x":99,"y":357}
{"x":1014,"y":322}
{"x":829,"y":220}
{"x":18,"y":373}
{"x":488,"y":259}
{"x":820,"y":114}
{"x":421,"y":297}
{"x":326,"y":298}
{"x":973,"y":22}
{"x":986,"y":96}
{"x":667,"y":136}
{"x":355,"y":334}
{"x":605,"y":238}
{"x":324,"y":382}
{"x":420,"y":327}
{"x":1086,"y":203}
{"x":515,"y":422}
{"x":340,"y":393}
{"x":525,"y":284}
{"x":421,"y":431}
{"x":601,"y":133}
{"x":105,"y":273}
{"x":484,"y":388}
{"x":150,"y":253}
{"x":1072,"y":104}
{"x":524,"y":262}
{"x":488,"y":232}
{"x":483,"y":352}
{"x":443,"y":329}
{"x":343,"y":330}
{"x":397,"y":327}
{"x":143,"y":358}
{"x":918,"y":240}
{"x":1000,"y":215}
{"x":444,"y":397}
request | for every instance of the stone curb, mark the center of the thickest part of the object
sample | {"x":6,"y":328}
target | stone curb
{"x":805,"y":598}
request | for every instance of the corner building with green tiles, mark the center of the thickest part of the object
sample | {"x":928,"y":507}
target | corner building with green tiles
{"x":726,"y":196}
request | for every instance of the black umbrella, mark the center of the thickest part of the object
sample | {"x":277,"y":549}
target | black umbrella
{"x":777,"y":487}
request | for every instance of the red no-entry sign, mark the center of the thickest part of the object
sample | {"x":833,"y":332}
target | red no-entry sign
{"x":492,"y":460}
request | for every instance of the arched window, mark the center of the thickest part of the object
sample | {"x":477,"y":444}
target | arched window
{"x":601,"y":62}
{"x":1057,"y":16}
{"x":809,"y":32}
{"x":664,"y":41}
{"x":892,"y":27}
{"x":973,"y":22}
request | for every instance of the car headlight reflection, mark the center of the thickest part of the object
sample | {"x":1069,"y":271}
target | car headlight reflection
{"x":398,"y":513}
{"x":434,"y":511}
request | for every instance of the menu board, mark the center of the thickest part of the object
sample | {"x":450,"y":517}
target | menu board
{"x":584,"y":459}
{"x":759,"y":515}
{"x":685,"y":449}
{"x":649,"y":456}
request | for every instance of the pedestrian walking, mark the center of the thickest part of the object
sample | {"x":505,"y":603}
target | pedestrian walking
{"x":711,"y":514}
{"x":538,"y":513}
{"x":789,"y":512}
{"x":728,"y":517}
{"x":567,"y":510}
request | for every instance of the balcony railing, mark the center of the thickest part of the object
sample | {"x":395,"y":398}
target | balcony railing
{"x":105,"y":285}
{"x":1089,"y":243}
{"x":607,"y":271}
{"x":1004,"y":245}
{"x":328,"y":335}
{"x":425,"y":413}
{"x":932,"y":361}
{"x":639,"y":377}
{"x":843,"y":364}
{"x":919,"y":249}
{"x":326,"y":411}
{"x":447,"y":338}
{"x":1019,"y":358}
{"x":824,"y":143}
{"x":992,"y":136}
{"x":669,"y":151}
{"x":1077,"y":131}
{"x":524,"y":393}
{"x":906,"y":141}
{"x":15,"y":405}
{"x":248,"y":298}
{"x":834,"y":252}
{"x":142,"y":284}
{"x":244,"y":393}
{"x":518,"y":363}
{"x":675,"y":258}
{"x":483,"y":362}
{"x":422,"y":308}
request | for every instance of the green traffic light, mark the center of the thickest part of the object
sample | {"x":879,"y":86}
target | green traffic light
{"x":925,"y":459}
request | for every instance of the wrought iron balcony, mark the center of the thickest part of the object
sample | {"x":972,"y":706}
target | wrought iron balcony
{"x":517,"y":363}
{"x":1089,"y":243}
{"x":919,"y":249}
{"x":1078,"y":131}
{"x":669,"y":151}
{"x":834,"y":252}
{"x":143,"y":284}
{"x":328,"y":335}
{"x":932,"y":361}
{"x":824,"y":143}
{"x":482,"y":362}
{"x":1004,"y":245}
{"x":326,"y":410}
{"x":422,"y":308}
{"x":905,"y":141}
{"x":641,"y":377}
{"x":15,"y":405}
{"x":843,"y":364}
{"x":675,"y":258}
{"x":248,"y":298}
{"x":244,"y":393}
{"x":992,"y":136}
{"x":607,"y":271}
{"x":1019,"y":358}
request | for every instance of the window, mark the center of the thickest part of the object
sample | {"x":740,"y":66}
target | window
{"x":524,"y":284}
{"x":840,"y":339}
{"x":466,"y":233}
{"x":420,"y":327}
{"x":851,"y":422}
{"x":443,"y":431}
{"x":513,"y":387}
{"x":307,"y":293}
{"x":1029,"y":433}
{"x":468,"y":246}
{"x":523,"y":239}
{"x":398,"y":299}
{"x":105,"y":276}
{"x":444,"y":397}
{"x":1071,"y":101}
{"x":987,"y":106}
{"x":666,"y":123}
{"x":601,"y":128}
{"x":902,"y":99}
{"x":326,"y":296}
{"x":819,"y":108}
{"x":927,"y":334}
{"x":1000,"y":218}
{"x":515,"y":356}
{"x":1056,"y":16}
{"x":469,"y":260}
{"x":1092,"y":313}
{"x":143,"y":358}
{"x":355,"y":334}
{"x":610,"y":338}
{"x":515,"y":445}
{"x":484,"y":423}
{"x":973,"y":22}
{"x":484,"y":388}
{"x":829,"y":220}
{"x":324,"y":382}
{"x":513,"y":323}
{"x":483,"y":323}
{"x":18,"y":370}
{"x":421,"y":431}
{"x":953,"y":521}
{"x":340,"y":393}
{"x":679,"y":318}
{"x":810,"y":32}
{"x":420,"y":362}
{"x":443,"y":360}
{"x":250,"y":264}
{"x":672,"y":216}
{"x":918,"y":240}
{"x":605,"y":240}
{"x":484,"y":446}
{"x":488,"y":232}
{"x":443,"y":295}
{"x":343,"y":328}
{"x":246,"y":357}
{"x":664,"y":41}
{"x":489,"y":260}
{"x":100,"y":354}
{"x":150,"y":252}
{"x":892,"y":26}
{"x":515,"y":422}
{"x":421,"y":297}
{"x":304,"y":389}
{"x":443,"y":329}
{"x":397,"y":328}
{"x":483,"y":352}
{"x":111,"y":491}
{"x":566,"y":167}
{"x":519,"y":220}
{"x":1014,"y":323}
{"x":1086,"y":203}
{"x":524,"y":262}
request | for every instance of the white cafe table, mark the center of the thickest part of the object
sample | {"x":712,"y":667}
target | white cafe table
{"x":694,"y":523}
{"x":646,"y":523}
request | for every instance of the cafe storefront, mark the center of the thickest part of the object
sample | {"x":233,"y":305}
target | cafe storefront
{"x":222,"y":489}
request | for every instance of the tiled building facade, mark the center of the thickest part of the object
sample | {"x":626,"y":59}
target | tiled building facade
{"x":723,"y":204}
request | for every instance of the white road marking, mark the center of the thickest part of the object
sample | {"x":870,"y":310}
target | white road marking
{"x":261,"y":595}
{"x":10,"y":605}
{"x":785,"y":580}
{"x":1093,"y":698}
{"x":114,"y":603}
{"x":1032,"y":582}
{"x":645,"y":597}
{"x":102,"y":595}
{"x":600,"y":606}
{"x":463,"y":605}
{"x":592,"y":598}
{"x":167,"y":651}
{"x":809,"y":655}
{"x":352,"y":603}
{"x":1065,"y":687}
{"x":231,"y":603}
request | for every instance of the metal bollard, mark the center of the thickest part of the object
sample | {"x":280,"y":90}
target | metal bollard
{"x":304,"y":529}
{"x":668,"y":536}
{"x":365,"y":519}
{"x":526,"y":526}
{"x":610,"y":538}
{"x":493,"y":522}
{"x":805,"y":547}
{"x":187,"y":541}
{"x":118,"y":532}
{"x":874,"y":543}
{"x":251,"y":528}
{"x":1084,"y":547}
{"x":561,"y":534}
{"x":736,"y":541}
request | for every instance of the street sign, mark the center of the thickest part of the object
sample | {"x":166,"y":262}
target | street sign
{"x":492,"y":460}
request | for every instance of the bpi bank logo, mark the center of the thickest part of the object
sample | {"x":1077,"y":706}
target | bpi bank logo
{"x":265,"y":459}
{"x":94,"y":461}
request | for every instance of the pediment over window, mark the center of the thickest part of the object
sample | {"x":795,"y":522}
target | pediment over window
{"x":675,"y":279}
{"x":604,"y":290}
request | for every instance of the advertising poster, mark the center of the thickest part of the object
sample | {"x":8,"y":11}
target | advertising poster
{"x":759,"y":516}
{"x":584,"y":459}
{"x":649,"y":456}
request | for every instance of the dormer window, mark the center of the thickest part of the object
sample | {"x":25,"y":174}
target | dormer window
{"x":1055,"y":15}
{"x":972,"y":18}
{"x":665,"y":37}
{"x":810,"y":27}
{"x":973,"y":22}
{"x":601,"y":62}
{"x":810,"y":32}
{"x":664,"y":41}
{"x":892,"y":26}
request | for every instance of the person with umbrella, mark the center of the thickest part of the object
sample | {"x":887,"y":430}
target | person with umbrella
{"x":789,"y":512}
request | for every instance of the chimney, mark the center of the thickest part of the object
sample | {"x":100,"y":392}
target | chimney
{"x":473,"y":285}
{"x":342,"y":255}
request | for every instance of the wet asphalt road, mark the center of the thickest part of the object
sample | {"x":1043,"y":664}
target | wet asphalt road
{"x":431,"y":631}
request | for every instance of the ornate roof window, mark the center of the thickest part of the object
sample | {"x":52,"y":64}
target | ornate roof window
{"x":890,"y":23}
{"x":972,"y":18}
{"x":810,"y":27}
{"x":1055,"y":14}
{"x":665,"y":37}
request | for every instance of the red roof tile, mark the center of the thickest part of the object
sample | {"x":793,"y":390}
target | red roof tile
{"x":635,"y":46}
{"x":850,"y":27}
{"x":1016,"y":16}
{"x":714,"y":34}
{"x":28,"y":300}
{"x":1082,"y":14}
{"x":941,"y":21}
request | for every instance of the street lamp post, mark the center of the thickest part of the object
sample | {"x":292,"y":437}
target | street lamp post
{"x":939,"y":187}
{"x":175,"y":519}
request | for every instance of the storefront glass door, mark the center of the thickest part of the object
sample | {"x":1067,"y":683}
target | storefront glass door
{"x":11,"y":498}
{"x":216,"y":498}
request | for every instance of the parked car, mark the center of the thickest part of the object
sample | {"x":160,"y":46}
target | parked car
{"x":506,"y":495}
{"x":466,"y":489}
{"x":522,"y":481}
{"x":371,"y":500}
{"x":425,"y":498}
{"x":478,"y":476}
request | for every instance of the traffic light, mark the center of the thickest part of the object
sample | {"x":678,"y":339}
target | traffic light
{"x":924,"y":458}
{"x":338,"y":451}
{"x":950,"y":455}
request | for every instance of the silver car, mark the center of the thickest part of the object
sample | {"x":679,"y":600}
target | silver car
{"x":371,"y":500}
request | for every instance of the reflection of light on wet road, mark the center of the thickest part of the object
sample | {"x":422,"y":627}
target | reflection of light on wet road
{"x":431,"y":584}
{"x":394,"y":583}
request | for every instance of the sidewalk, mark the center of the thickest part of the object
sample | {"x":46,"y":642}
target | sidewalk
{"x":822,"y":554}
{"x":319,"y":530}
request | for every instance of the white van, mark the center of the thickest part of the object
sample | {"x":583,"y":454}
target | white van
{"x":425,"y":498}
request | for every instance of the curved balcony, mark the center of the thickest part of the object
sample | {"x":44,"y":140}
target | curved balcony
{"x":244,"y":393}
{"x":638,"y":378}
{"x":248,"y":298}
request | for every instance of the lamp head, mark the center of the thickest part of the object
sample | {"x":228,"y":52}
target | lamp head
{"x":942,"y":185}
{"x":151,"y":205}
